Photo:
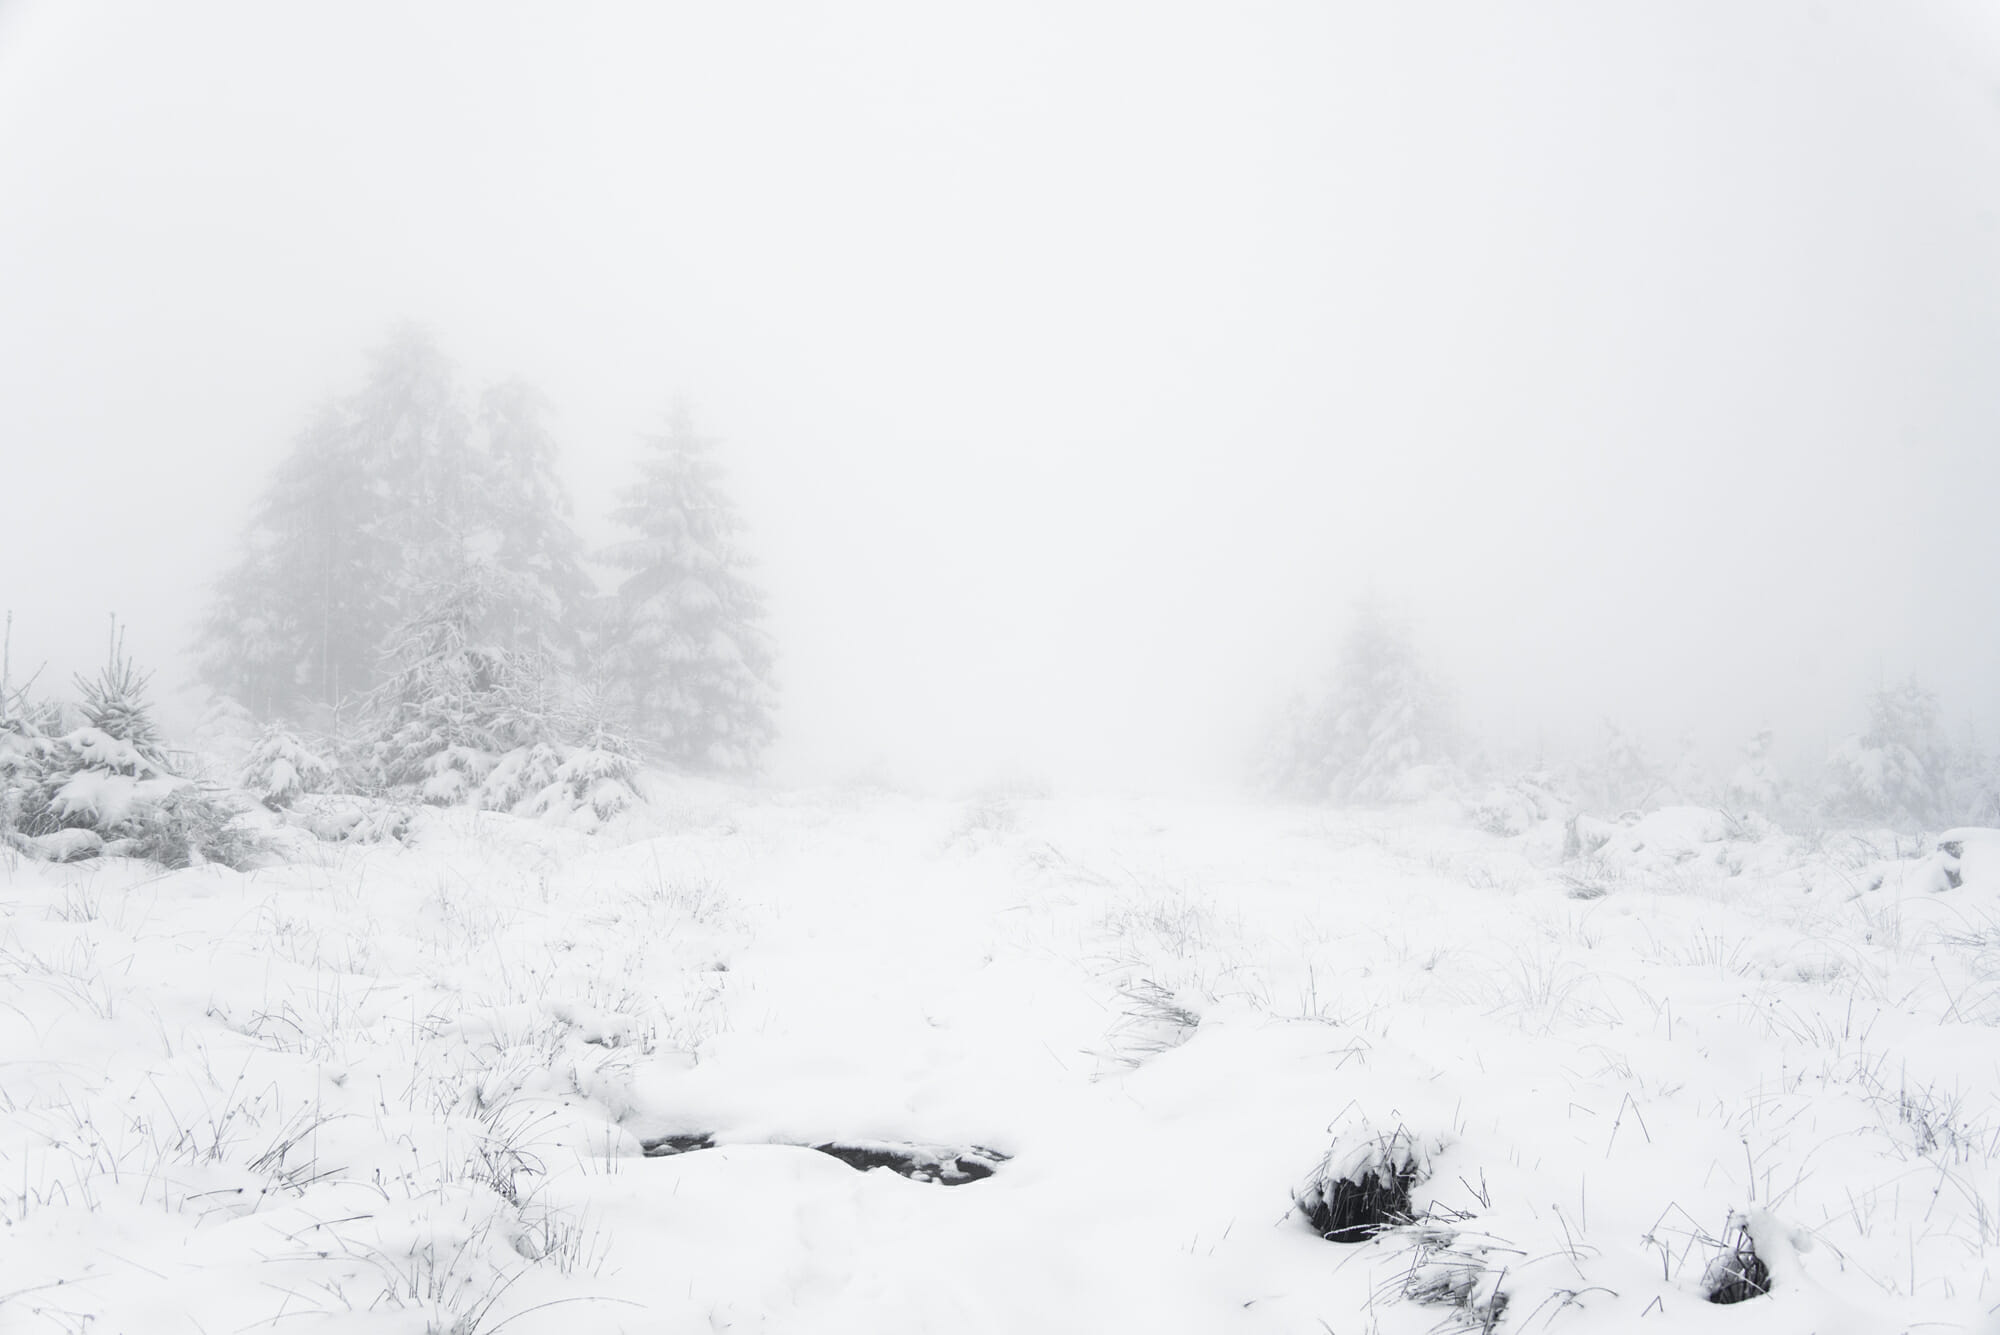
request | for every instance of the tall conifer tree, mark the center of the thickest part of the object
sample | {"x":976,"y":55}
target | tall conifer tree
{"x":689,"y":661}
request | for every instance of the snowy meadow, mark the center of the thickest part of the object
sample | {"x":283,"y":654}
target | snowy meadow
{"x":1304,"y":668}
{"x":491,"y":1074}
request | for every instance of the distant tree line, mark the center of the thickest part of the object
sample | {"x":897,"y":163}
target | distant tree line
{"x":1378,"y":729}
{"x":411,"y":580}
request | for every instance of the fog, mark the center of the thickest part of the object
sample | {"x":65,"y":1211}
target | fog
{"x":1076,"y":367}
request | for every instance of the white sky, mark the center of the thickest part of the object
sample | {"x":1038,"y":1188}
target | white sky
{"x":1077,"y":363}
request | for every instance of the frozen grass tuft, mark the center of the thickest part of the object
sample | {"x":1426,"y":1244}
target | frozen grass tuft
{"x":1363,"y":1185}
{"x":1156,"y":1021}
{"x":1452,"y":1268}
{"x":1737,"y":1274}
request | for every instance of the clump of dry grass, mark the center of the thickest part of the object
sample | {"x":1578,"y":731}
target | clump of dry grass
{"x":1738,"y":1274}
{"x":1363,"y":1185}
{"x":1452,"y":1269}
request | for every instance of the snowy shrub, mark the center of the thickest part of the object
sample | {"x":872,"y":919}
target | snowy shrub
{"x":1972,"y":784}
{"x":1379,"y":733}
{"x":94,"y":776}
{"x":1517,"y":806}
{"x":596,"y":781}
{"x":454,"y":703}
{"x":103,"y":787}
{"x":1623,"y":777}
{"x":189,"y":825}
{"x":1755,"y":786}
{"x":22,"y":752}
{"x":226,"y":733}
{"x":93,"y":782}
{"x":520,"y":777}
{"x":1688,"y":782}
{"x":466,"y":722}
{"x":281,"y":768}
{"x":346,"y":818}
{"x":1363,"y":1184}
{"x":115,"y":704}
{"x":1893,"y":772}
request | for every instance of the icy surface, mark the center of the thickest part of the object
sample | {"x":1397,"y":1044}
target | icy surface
{"x":403,"y":1086}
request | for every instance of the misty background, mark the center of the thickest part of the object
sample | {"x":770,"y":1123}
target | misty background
{"x":1076,"y":367}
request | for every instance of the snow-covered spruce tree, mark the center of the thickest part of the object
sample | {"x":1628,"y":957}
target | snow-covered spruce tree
{"x":465,"y":720}
{"x":423,"y":465}
{"x":1688,"y":781}
{"x":114,"y":703}
{"x":367,"y":508}
{"x":1894,"y":772}
{"x":1623,"y":776}
{"x":451,"y":705}
{"x":1380,"y":733}
{"x":22,"y":743}
{"x":105,"y":786}
{"x":598,"y":776}
{"x":282,"y":767}
{"x":542,"y":590}
{"x":389,"y":492}
{"x":1756,"y":786}
{"x":1973,"y":784}
{"x":687,"y":659}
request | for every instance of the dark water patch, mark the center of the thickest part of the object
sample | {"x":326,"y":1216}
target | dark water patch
{"x":919,"y":1163}
{"x":946,"y":1165}
{"x":666,"y":1145}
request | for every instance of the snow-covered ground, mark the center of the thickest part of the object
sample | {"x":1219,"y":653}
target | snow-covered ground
{"x":405,"y":1088}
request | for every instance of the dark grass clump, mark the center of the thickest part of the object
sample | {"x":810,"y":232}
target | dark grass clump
{"x":1363,"y":1185}
{"x":1739,"y":1274}
{"x":1348,"y":1211}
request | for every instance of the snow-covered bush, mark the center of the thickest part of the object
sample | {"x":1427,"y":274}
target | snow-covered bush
{"x":1688,"y":781}
{"x":104,"y":787}
{"x":22,"y":747}
{"x":1519,"y":804}
{"x":1755,"y":786}
{"x":1972,"y":785}
{"x":115,"y":704}
{"x":190,"y":824}
{"x":464,"y":721}
{"x":281,"y":768}
{"x":1893,"y":772}
{"x":1623,"y":777}
{"x":453,"y":703}
{"x":1380,"y":731}
{"x":597,"y":780}
{"x":520,"y":777}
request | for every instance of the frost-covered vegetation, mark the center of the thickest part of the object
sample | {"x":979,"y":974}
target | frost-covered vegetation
{"x":453,"y":976}
{"x":1217,"y":1067}
{"x":1379,"y":730}
{"x":439,"y":1019}
{"x":94,"y":777}
{"x":425,"y":1019}
{"x":412,"y":588}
